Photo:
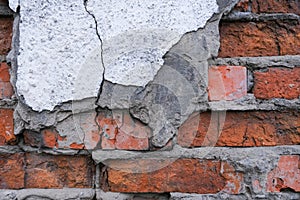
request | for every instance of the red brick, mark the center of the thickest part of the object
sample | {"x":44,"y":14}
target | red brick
{"x":123,"y":132}
{"x":276,"y":6}
{"x":32,"y":138}
{"x":182,"y":175}
{"x":12,"y":171}
{"x":250,"y":39}
{"x":286,"y":175}
{"x":241,"y":129}
{"x":6,"y":89}
{"x":227,"y":83}
{"x":243,"y":6}
{"x":6,"y":25}
{"x":7,"y":127}
{"x":277,"y":83}
{"x":48,"y":171}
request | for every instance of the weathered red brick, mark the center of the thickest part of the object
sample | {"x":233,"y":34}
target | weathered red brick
{"x":46,"y":138}
{"x":48,"y":171}
{"x":182,"y":175}
{"x":6,"y":89}
{"x":249,"y":39}
{"x":243,"y":6}
{"x":277,"y":83}
{"x":32,"y":138}
{"x":276,"y":6}
{"x":286,"y":175}
{"x":123,"y":132}
{"x":6,"y":25}
{"x":240,"y":129}
{"x":12,"y":171}
{"x":227,"y":82}
{"x":7,"y":127}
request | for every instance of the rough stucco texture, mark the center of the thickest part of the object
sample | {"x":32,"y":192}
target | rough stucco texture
{"x":60,"y":49}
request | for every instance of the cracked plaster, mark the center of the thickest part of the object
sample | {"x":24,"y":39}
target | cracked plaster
{"x":60,"y":55}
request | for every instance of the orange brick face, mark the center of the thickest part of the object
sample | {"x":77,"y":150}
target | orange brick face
{"x":276,"y":6}
{"x":286,"y":175}
{"x":123,"y":132}
{"x":6,"y":89}
{"x":227,"y":82}
{"x":7,"y":127}
{"x":12,"y":171}
{"x":241,"y":129}
{"x":251,"y":39}
{"x":47,"y":171}
{"x":277,"y":83}
{"x":183,"y":175}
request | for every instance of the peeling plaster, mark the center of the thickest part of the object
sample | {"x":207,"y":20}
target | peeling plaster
{"x":61,"y":58}
{"x":60,"y":53}
{"x":137,"y":34}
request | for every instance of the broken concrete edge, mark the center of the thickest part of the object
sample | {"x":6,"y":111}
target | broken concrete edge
{"x":257,"y":63}
{"x":92,"y":194}
{"x":21,"y":148}
{"x":223,"y":196}
{"x":222,"y":153}
{"x":51,"y":194}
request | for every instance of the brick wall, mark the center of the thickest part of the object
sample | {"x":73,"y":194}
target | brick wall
{"x":244,"y":146}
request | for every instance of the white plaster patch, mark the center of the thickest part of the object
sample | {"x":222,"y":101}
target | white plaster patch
{"x":136,"y":34}
{"x":60,"y":53}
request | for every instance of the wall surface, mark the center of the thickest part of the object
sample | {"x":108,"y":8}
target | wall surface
{"x":129,"y":100}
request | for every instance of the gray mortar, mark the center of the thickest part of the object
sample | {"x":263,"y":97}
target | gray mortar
{"x":254,"y":63}
{"x":248,"y":16}
{"x":48,"y":194}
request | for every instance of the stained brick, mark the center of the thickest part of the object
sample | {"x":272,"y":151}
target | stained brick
{"x":240,"y":129}
{"x":277,"y":83}
{"x":286,"y":175}
{"x":7,"y":127}
{"x":5,"y":35}
{"x":123,"y":132}
{"x":48,"y":171}
{"x":182,"y":175}
{"x":227,"y":82}
{"x":276,"y":6}
{"x":12,"y":171}
{"x":250,"y":39}
{"x":6,"y":89}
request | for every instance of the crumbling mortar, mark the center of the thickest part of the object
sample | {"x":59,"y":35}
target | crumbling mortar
{"x":248,"y":16}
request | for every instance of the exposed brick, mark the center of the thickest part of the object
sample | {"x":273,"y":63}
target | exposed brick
{"x":6,"y":89}
{"x":12,"y":171}
{"x":243,"y":6}
{"x":6,"y":25}
{"x":276,"y":6}
{"x":7,"y":127}
{"x":123,"y":132}
{"x":271,"y":38}
{"x":227,"y":83}
{"x":32,"y":138}
{"x":46,"y":138}
{"x":286,"y":175}
{"x":48,"y":171}
{"x":182,"y":175}
{"x":240,"y":129}
{"x":277,"y":83}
